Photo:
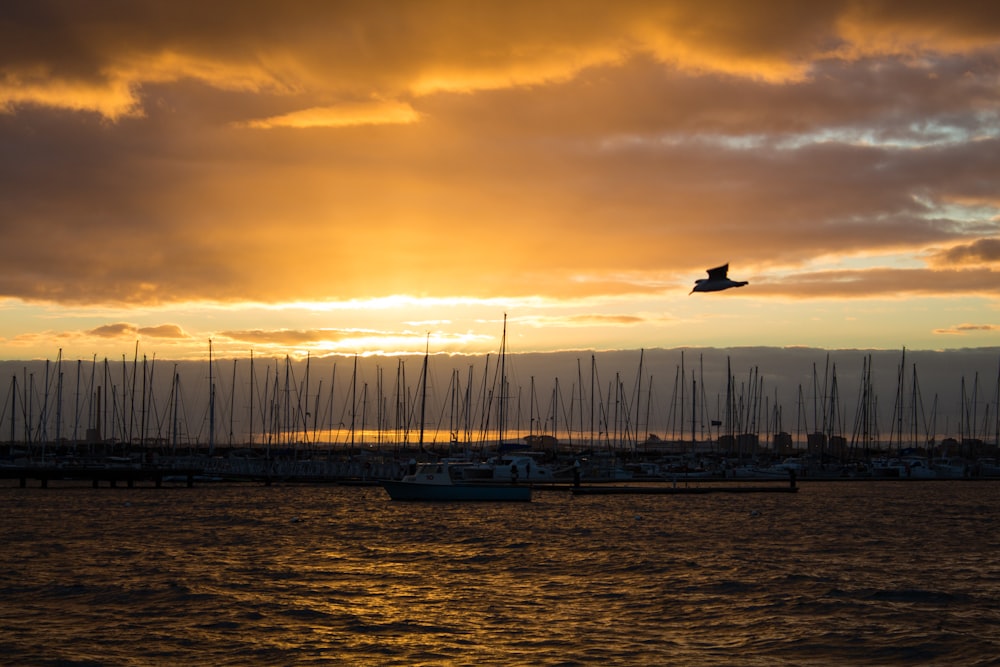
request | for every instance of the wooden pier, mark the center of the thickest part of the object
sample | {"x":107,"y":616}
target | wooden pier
{"x":111,"y":475}
{"x":692,"y":489}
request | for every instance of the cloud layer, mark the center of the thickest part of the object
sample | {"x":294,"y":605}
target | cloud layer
{"x":163,"y":153}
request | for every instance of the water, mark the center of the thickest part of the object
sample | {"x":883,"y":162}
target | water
{"x":874,"y":573}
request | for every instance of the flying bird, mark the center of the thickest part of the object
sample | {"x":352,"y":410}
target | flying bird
{"x":717,"y":280}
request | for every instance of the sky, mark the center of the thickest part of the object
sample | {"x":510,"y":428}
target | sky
{"x":315,"y":178}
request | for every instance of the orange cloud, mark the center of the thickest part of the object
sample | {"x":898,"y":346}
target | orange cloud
{"x":345,"y":115}
{"x":881,"y":282}
{"x":121,"y":329}
{"x":584,"y":320}
{"x":163,"y":331}
{"x":105,"y":58}
{"x":113,"y":330}
{"x":559,"y":153}
{"x":963,"y":329}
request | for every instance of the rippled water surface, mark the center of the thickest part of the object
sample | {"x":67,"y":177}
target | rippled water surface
{"x":842,"y":572}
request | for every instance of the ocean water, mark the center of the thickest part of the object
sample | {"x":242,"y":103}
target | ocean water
{"x":866,"y":573}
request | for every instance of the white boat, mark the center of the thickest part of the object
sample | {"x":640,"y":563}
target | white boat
{"x":446,"y":481}
{"x":907,"y":467}
{"x":782,"y":470}
{"x":987,"y":467}
{"x":950,"y":467}
{"x":508,"y":468}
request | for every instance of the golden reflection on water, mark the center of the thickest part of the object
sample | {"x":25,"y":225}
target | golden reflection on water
{"x":235,"y":574}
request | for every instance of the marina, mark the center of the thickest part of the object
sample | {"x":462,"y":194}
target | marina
{"x":303,"y":420}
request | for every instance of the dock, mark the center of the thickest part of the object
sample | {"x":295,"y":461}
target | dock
{"x":675,"y":490}
{"x":110,"y":475}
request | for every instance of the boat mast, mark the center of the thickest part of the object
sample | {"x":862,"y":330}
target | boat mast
{"x":251,"y":399}
{"x":354,"y":396}
{"x":694,"y":410}
{"x":59,"y":396}
{"x":211,"y":403}
{"x":638,"y":395}
{"x":174,"y":400}
{"x":423,"y":391}
{"x":503,"y":382}
{"x":13,"y":409}
{"x":593,"y":373}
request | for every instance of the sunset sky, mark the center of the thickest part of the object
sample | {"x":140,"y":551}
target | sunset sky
{"x":354,"y":177}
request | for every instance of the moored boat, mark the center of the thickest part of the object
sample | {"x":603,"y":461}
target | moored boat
{"x":444,"y":481}
{"x":508,"y":468}
{"x":907,"y":467}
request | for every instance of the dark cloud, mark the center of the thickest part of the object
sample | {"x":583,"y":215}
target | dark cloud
{"x":564,"y":151}
{"x":981,"y":251}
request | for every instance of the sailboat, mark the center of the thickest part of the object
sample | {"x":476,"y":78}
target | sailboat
{"x":445,"y":480}
{"x":448,"y":480}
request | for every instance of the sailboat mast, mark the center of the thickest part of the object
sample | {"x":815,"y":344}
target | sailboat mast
{"x":503,"y":382}
{"x":423,"y":391}
{"x":251,"y":400}
{"x":211,"y":403}
{"x":694,"y":410}
{"x":638,"y":395}
{"x":593,"y":373}
{"x":174,"y":401}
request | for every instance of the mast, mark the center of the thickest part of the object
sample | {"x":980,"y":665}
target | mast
{"x":501,"y":413}
{"x":251,"y":399}
{"x":175,"y":401}
{"x":638,"y":395}
{"x":59,"y":393}
{"x":211,"y":403}
{"x":467,"y":409}
{"x":354,"y":396}
{"x":579,"y":382}
{"x":899,"y":392}
{"x":13,"y":408}
{"x":423,"y":391}
{"x":531,"y":407}
{"x":683,"y":377}
{"x":304,"y":410}
{"x":729,"y":400}
{"x":694,"y":410}
{"x":76,"y":403}
{"x":555,"y":409}
{"x":142,"y":407}
{"x":43,"y":431}
{"x":333,"y":380}
{"x":593,"y":370}
{"x":131,"y":390}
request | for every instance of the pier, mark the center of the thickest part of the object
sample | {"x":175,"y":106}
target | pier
{"x":112,"y":476}
{"x":674,"y":489}
{"x":608,"y":490}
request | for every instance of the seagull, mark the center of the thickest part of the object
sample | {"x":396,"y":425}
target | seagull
{"x":717,"y":280}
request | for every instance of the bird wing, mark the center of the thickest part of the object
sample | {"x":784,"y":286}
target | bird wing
{"x":719,"y":272}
